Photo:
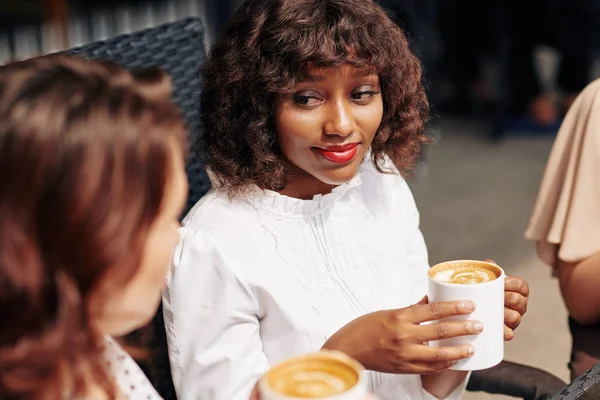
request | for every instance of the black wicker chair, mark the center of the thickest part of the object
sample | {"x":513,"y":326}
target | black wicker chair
{"x":179,"y":49}
{"x":585,"y":387}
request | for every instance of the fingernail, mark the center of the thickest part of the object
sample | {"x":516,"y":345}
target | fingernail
{"x":469,"y":305}
{"x":477,"y":326}
{"x":471,"y":350}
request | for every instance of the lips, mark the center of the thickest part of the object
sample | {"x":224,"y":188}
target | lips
{"x":338,"y":154}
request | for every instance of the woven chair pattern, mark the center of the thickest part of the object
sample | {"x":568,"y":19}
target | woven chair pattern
{"x":178,"y":48}
{"x":584,"y":387}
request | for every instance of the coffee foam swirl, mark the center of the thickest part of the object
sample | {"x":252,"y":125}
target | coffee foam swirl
{"x":465,"y":275}
{"x":311,"y":384}
{"x":319,"y":375}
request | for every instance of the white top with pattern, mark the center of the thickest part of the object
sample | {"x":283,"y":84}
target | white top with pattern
{"x":130,"y":379}
{"x":263,"y":278}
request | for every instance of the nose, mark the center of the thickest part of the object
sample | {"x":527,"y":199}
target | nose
{"x":340,"y":119}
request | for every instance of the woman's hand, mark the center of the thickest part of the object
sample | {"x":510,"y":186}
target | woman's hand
{"x":255,"y":394}
{"x":516,"y":295}
{"x":396,"y":341}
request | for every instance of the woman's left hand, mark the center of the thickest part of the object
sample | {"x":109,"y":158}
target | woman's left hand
{"x":516,"y":295}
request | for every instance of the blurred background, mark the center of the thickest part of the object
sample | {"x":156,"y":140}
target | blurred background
{"x":516,"y":65}
{"x":500,"y":75}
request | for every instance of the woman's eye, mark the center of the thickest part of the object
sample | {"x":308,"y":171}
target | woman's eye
{"x":306,"y":100}
{"x":364,"y":95}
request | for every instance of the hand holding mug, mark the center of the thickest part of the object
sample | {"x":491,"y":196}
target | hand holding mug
{"x":516,"y":297}
{"x":396,"y":341}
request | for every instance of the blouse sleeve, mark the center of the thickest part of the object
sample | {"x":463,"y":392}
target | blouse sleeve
{"x":402,"y":387}
{"x":212,"y":324}
{"x":457,"y":393}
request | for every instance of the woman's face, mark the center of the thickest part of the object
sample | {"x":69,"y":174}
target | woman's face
{"x":133,"y":306}
{"x":326,"y":125}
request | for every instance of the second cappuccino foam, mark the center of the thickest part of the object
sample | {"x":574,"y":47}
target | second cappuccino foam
{"x":465,"y":275}
{"x":313,"y":384}
{"x":321,"y":375}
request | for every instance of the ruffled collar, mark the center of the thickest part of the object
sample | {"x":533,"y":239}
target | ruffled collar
{"x":271,"y":201}
{"x":276,"y":203}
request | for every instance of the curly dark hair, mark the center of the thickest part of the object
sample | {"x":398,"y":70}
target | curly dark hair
{"x":266,"y":49}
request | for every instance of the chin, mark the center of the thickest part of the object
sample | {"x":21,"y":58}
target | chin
{"x":132,"y":324}
{"x":340,"y":176}
{"x":145,"y":319}
{"x":129,"y":320}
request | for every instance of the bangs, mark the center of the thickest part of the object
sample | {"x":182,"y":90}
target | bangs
{"x":326,"y":34}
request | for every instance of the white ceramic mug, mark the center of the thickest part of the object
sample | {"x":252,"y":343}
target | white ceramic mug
{"x":324,"y":375}
{"x":488,"y":297}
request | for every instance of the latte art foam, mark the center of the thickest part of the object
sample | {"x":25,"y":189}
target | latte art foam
{"x":311,"y":384}
{"x":465,"y":274}
{"x":319,"y":375}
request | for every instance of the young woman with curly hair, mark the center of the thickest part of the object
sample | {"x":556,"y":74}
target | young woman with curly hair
{"x":312,"y":110}
{"x":93,"y":184}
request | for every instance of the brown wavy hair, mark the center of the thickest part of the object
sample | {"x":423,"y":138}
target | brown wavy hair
{"x":85,"y":152}
{"x":267,"y":48}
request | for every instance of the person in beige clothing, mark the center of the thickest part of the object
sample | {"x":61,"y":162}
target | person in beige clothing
{"x":565,"y":223}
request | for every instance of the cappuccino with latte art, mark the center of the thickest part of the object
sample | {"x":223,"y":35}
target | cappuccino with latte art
{"x":482,"y":283}
{"x":467,"y":274}
{"x":323,"y":375}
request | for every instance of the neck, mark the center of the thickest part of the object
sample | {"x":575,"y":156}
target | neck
{"x":304,"y":186}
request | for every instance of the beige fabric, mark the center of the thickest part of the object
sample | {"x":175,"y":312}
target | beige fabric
{"x":567,"y":209}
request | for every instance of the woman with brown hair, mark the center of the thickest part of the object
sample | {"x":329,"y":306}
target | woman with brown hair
{"x":93,"y":184}
{"x":310,"y":238}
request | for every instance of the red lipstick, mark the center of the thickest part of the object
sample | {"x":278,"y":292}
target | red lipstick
{"x":338,"y":154}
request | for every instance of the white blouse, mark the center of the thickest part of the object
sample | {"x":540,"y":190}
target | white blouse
{"x":131,"y":380}
{"x":263,"y":278}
